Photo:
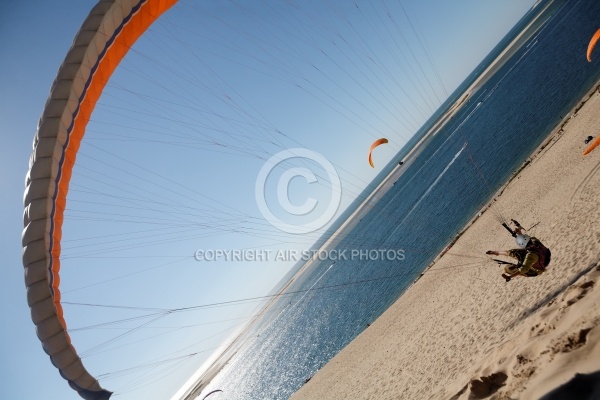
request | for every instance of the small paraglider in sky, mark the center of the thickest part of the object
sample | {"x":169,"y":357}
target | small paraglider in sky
{"x":213,"y":392}
{"x":592,"y":44}
{"x":376,"y":143}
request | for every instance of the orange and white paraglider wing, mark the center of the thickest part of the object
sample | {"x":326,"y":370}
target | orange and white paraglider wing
{"x":376,"y":143}
{"x":592,"y":44}
{"x":106,"y":35}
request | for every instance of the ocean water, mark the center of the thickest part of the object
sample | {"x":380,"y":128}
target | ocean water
{"x":491,"y":136}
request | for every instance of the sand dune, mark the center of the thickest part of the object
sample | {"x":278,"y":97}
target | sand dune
{"x":462,"y":332}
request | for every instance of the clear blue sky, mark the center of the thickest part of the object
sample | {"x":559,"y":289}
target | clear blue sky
{"x":170,"y":160}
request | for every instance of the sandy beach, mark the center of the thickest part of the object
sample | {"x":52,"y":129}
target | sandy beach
{"x":462,"y":332}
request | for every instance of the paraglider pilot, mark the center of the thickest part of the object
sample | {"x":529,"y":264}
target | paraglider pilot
{"x":531,"y":255}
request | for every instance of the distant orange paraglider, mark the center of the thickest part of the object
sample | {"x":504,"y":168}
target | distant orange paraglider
{"x":592,"y":44}
{"x":593,"y":144}
{"x":375,"y":144}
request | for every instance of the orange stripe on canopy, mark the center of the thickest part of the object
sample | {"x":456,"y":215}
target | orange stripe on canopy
{"x":129,"y":33}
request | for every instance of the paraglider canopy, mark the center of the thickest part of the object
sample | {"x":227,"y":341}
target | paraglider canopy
{"x":593,"y":143}
{"x":106,"y":35}
{"x":378,"y":142}
{"x":213,"y":392}
{"x":592,"y":44}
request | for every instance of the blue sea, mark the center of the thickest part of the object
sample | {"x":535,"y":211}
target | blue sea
{"x":438,"y":193}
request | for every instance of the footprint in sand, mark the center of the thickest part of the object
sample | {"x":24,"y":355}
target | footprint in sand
{"x":552,"y":315}
{"x":583,"y":290}
{"x":571,"y":342}
{"x":487,"y":385}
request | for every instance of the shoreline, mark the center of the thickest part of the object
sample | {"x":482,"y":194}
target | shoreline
{"x":221,"y":361}
{"x":546,"y":144}
{"x":471,"y":330}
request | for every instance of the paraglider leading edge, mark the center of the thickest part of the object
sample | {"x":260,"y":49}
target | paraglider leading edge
{"x":106,"y":35}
